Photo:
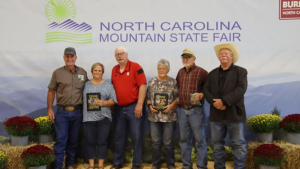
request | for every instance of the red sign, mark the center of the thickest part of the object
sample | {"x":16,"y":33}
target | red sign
{"x":289,"y":9}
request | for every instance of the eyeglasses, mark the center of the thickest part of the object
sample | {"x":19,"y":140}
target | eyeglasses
{"x":185,"y":58}
{"x":120,"y":54}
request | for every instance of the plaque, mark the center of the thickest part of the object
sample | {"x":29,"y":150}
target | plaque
{"x":160,"y":101}
{"x":91,"y":99}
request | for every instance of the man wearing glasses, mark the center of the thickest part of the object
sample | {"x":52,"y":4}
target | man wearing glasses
{"x":129,"y":81}
{"x":192,"y":121}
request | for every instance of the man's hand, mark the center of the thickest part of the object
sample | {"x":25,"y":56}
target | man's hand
{"x":199,"y":96}
{"x":223,"y":108}
{"x":138,"y":110}
{"x":51,"y":114}
{"x":218,"y":104}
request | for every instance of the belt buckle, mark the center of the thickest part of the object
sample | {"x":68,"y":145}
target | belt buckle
{"x":70,"y":108}
{"x":185,"y":107}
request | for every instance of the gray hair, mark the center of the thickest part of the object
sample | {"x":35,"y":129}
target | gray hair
{"x":121,"y":48}
{"x":227,"y":49}
{"x":163,"y":62}
{"x":97,"y":64}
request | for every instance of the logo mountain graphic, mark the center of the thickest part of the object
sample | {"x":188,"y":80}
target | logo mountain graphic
{"x":63,"y":28}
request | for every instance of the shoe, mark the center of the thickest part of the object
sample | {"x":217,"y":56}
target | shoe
{"x":135,"y":167}
{"x":90,"y":167}
{"x":155,"y":167}
{"x":171,"y":167}
{"x":116,"y":167}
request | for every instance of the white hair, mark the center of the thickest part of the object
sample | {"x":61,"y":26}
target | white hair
{"x":163,"y":62}
{"x":121,"y":48}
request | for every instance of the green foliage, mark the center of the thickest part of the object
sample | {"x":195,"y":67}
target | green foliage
{"x":194,"y":155}
{"x":275,"y":111}
{"x":109,"y":157}
{"x":3,"y":159}
{"x":128,"y":156}
{"x":209,"y":154}
{"x":228,"y":154}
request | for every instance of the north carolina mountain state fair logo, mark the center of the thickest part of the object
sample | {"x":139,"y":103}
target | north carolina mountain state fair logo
{"x":63,"y":28}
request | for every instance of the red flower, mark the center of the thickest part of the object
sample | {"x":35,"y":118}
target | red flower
{"x":20,"y":125}
{"x":268,"y":154}
{"x":291,"y":123}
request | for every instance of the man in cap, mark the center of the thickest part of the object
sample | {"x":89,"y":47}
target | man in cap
{"x":192,"y":120}
{"x":67,"y":83}
{"x":129,"y":81}
{"x":224,"y":90}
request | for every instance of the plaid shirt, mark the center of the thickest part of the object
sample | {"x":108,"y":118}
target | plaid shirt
{"x":190,"y":82}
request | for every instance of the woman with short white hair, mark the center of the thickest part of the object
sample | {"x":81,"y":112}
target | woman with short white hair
{"x":162,"y":93}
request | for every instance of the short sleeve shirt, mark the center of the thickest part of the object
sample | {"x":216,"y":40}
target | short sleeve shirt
{"x":169,"y":87}
{"x":107,"y":92}
{"x":127,"y":83}
{"x":68,"y":85}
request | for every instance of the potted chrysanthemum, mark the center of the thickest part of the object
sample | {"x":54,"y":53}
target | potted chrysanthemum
{"x":19,"y":128}
{"x":291,"y":124}
{"x":37,"y":157}
{"x":264,"y":125}
{"x":268,"y":156}
{"x":3,"y":159}
{"x":45,"y":129}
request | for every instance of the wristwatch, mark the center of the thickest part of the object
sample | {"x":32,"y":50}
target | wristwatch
{"x":148,"y":105}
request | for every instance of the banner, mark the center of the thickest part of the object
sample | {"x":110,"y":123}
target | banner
{"x":35,"y":33}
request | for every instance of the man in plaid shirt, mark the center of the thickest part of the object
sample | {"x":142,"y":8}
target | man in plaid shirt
{"x":192,"y":121}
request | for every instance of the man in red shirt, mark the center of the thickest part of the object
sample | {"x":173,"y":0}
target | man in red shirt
{"x":129,"y":81}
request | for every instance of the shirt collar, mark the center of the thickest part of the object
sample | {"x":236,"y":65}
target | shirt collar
{"x":67,"y":68}
{"x":194,"y":65}
{"x":127,"y":67}
{"x":231,"y":66}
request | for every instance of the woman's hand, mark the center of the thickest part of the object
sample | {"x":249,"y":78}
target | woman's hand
{"x":100,"y":102}
{"x":152,"y":109}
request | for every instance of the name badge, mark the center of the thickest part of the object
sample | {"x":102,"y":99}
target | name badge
{"x":81,"y":77}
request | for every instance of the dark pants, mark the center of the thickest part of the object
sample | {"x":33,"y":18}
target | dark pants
{"x":125,"y":119}
{"x":162,"y":132}
{"x":239,"y":144}
{"x":67,"y":126}
{"x":96,"y":134}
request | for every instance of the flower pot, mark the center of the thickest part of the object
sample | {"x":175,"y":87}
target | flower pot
{"x":264,"y":137}
{"x":19,"y":140}
{"x":46,"y":138}
{"x":38,"y":167}
{"x":267,"y":167}
{"x":293,"y":138}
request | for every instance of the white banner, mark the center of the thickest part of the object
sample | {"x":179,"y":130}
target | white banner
{"x":34,"y":34}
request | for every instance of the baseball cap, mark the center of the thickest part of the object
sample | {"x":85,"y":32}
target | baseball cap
{"x":188,"y":51}
{"x":70,"y":50}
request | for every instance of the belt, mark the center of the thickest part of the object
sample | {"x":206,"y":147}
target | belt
{"x":189,"y":107}
{"x":70,"y":108}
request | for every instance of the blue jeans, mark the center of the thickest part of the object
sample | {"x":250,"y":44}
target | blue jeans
{"x":67,"y":126}
{"x":162,"y":132}
{"x":96,"y":135}
{"x":193,"y":122}
{"x":125,"y":119}
{"x":239,"y":144}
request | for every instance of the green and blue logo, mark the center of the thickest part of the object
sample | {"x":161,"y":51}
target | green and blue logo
{"x":63,"y":29}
